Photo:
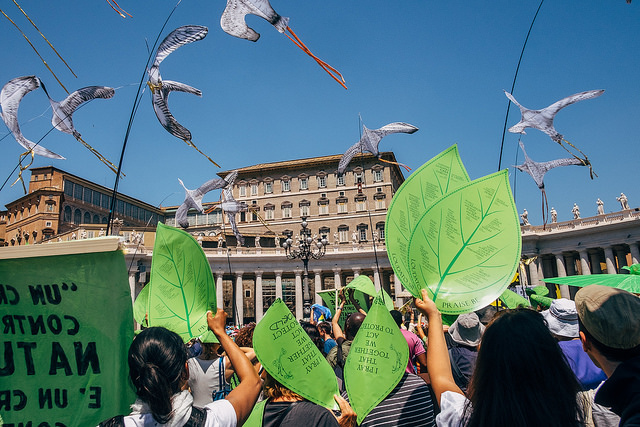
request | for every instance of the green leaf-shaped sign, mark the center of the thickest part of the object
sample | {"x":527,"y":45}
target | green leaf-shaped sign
{"x":513,"y":300}
{"x":377,"y":360}
{"x":466,"y":247}
{"x":364,"y":284}
{"x":288,"y":354}
{"x":140,"y":304}
{"x":330,"y":296}
{"x":439,"y":176}
{"x":183,"y":288}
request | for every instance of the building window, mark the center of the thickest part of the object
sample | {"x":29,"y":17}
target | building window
{"x":381,"y":204}
{"x":254,"y":210}
{"x":47,"y":224}
{"x":380,"y":229}
{"x":323,"y":209}
{"x":268,"y":214}
{"x":340,"y":180}
{"x":268,"y":187}
{"x":361,"y":204}
{"x":67,"y":214}
{"x":242,"y":190}
{"x":343,"y":233}
{"x":322,"y":182}
{"x":304,"y":210}
{"x":77,"y":192}
{"x":77,"y":216}
{"x":377,"y":175}
{"x":304,"y":183}
{"x":286,"y":185}
{"x":342,"y":206}
{"x":357,"y":178}
{"x":286,"y":212}
{"x":87,"y":218}
{"x":49,"y":207}
{"x":68,"y":188}
{"x":254,"y":189}
{"x":362,"y":233}
{"x":96,"y":219}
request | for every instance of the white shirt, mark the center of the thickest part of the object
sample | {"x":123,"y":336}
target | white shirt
{"x":452,"y":406}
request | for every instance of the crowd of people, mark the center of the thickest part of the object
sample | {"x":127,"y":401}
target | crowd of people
{"x":575,"y":364}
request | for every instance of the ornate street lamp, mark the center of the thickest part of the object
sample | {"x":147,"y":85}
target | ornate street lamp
{"x":305,"y":249}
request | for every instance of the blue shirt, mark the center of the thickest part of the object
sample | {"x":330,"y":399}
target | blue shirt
{"x":328,"y":345}
{"x":588,"y":374}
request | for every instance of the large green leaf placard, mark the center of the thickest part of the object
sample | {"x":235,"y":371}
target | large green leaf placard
{"x":330,"y":296}
{"x":67,"y":327}
{"x":364,"y":284}
{"x":466,"y":247}
{"x":377,"y":360}
{"x":288,"y":354}
{"x":183,"y":287}
{"x":513,"y":300}
{"x":439,"y":176}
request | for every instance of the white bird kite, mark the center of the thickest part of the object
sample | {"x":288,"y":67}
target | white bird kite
{"x":193,"y":198}
{"x":10,"y":97}
{"x":231,"y":207}
{"x":161,"y":89}
{"x":63,"y":111}
{"x":371,"y":139}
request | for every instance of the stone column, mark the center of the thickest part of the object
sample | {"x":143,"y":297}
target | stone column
{"x":219,"y":293}
{"x":622,"y":257}
{"x":610,"y":260}
{"x":317,"y":285}
{"x":356,"y":272}
{"x":298,"y":292}
{"x":584,"y":262}
{"x":132,"y":284}
{"x":259,"y":304}
{"x":398,"y":289}
{"x":595,"y":262}
{"x":635,"y":253}
{"x":337,"y":278}
{"x":533,"y":272}
{"x":278,"y":284}
{"x":376,"y":278}
{"x":564,"y":289}
{"x":239,"y":298}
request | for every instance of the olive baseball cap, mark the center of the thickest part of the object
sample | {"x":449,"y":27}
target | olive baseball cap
{"x":610,"y":315}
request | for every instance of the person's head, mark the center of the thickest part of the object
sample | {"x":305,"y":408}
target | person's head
{"x":609,"y":322}
{"x":352,"y":325}
{"x":485,"y":314}
{"x":325,"y":330}
{"x":467,"y":330}
{"x":562,"y":319}
{"x":274,"y":390}
{"x":157,"y":368}
{"x":521,"y":376}
{"x":313,"y":333}
{"x":245,"y":335}
{"x":397,"y":317}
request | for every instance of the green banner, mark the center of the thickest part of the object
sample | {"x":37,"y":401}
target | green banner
{"x":513,"y":300}
{"x":330,"y":296}
{"x":377,"y":360}
{"x":288,"y":354}
{"x":466,"y":247}
{"x":364,"y":284}
{"x":67,"y":326}
{"x":183,"y":287}
{"x":439,"y":176}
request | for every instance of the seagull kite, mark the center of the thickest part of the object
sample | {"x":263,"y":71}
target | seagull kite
{"x":233,"y":22}
{"x":543,"y":119}
{"x":537,"y":170}
{"x":370,"y":140}
{"x":10,"y":97}
{"x":193,"y":198}
{"x":63,"y":112}
{"x":160,"y":89}
{"x":231,"y":207}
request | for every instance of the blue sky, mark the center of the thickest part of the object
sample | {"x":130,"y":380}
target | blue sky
{"x":441,"y":66}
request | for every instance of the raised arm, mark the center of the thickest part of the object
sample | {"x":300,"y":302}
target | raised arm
{"x":337,"y":330}
{"x":355,"y":302}
{"x":244,"y":396}
{"x":438,"y":363}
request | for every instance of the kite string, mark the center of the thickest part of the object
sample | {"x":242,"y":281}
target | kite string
{"x":45,"y":39}
{"x":134,"y":109}
{"x":513,"y":85}
{"x":35,"y":50}
{"x":326,"y":67}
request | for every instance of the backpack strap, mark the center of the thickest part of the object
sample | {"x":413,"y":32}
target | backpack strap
{"x":117,"y":421}
{"x":198,"y":417}
{"x":221,"y":379}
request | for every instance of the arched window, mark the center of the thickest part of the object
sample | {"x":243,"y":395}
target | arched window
{"x":96,"y":219}
{"x":67,"y":214}
{"x":77,"y":217}
{"x":87,"y":218}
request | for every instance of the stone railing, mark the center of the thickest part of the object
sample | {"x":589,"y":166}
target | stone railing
{"x":592,"y":221}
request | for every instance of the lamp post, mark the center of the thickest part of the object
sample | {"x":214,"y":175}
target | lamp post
{"x":305,"y":249}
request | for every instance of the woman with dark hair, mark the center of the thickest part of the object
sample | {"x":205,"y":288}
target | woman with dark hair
{"x":312,"y":331}
{"x":159,"y":373}
{"x":521,"y":377}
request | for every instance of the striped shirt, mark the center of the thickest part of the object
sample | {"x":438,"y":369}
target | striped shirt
{"x":409,"y":404}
